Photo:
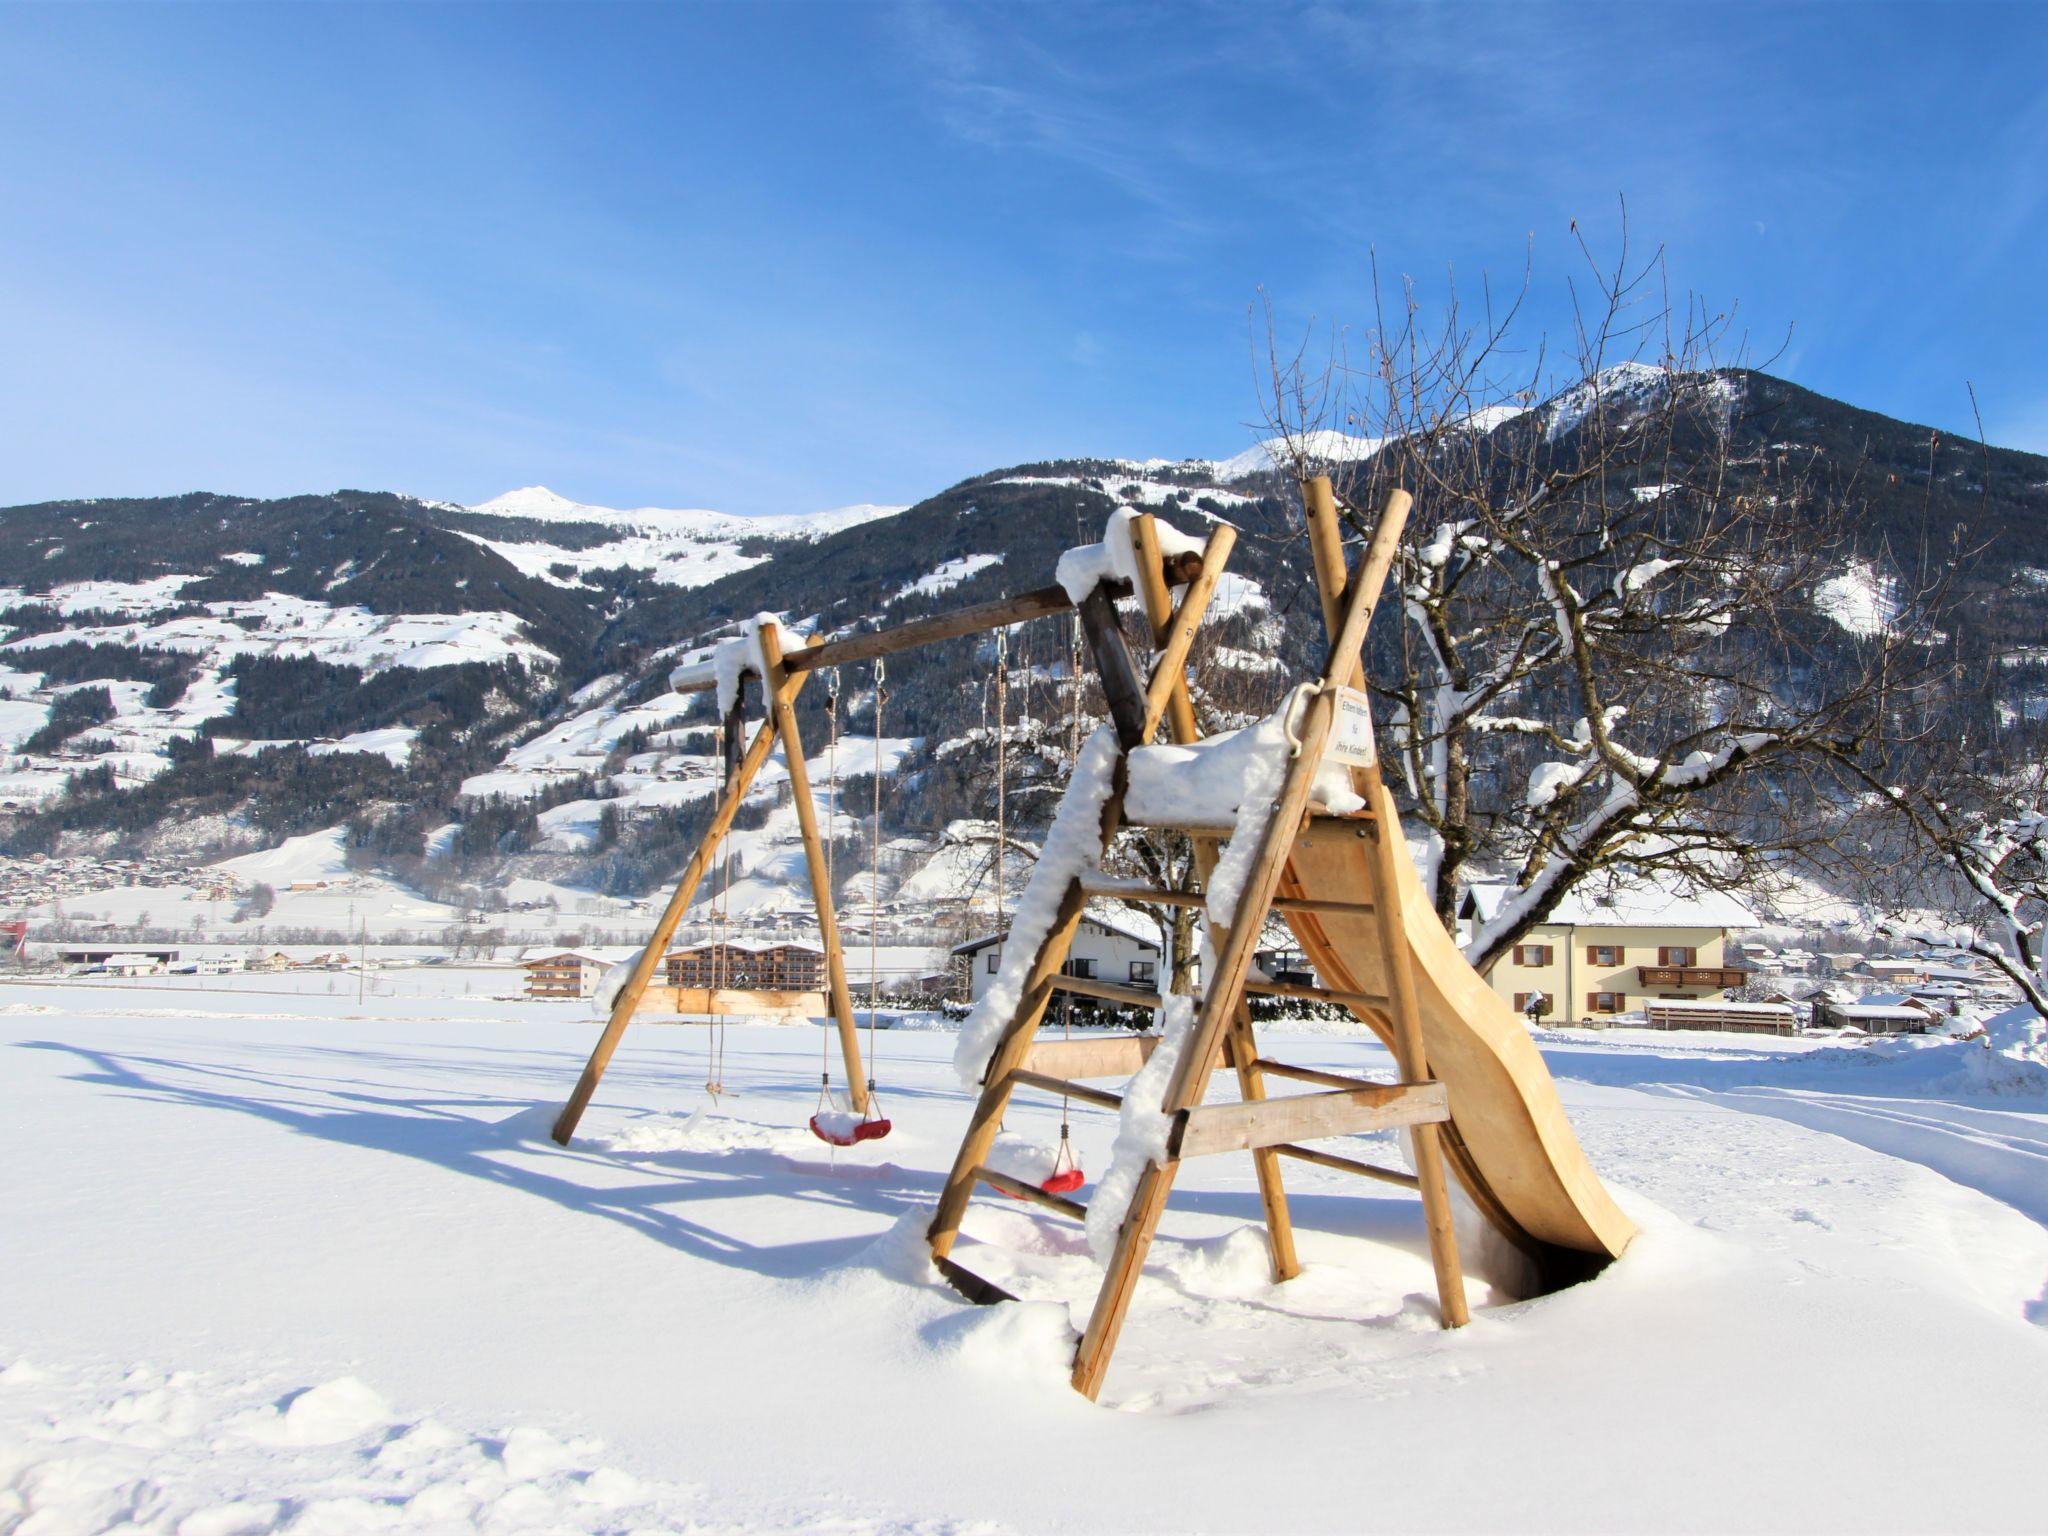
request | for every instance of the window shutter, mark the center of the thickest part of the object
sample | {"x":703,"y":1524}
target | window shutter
{"x":1620,"y":955}
{"x":1592,"y":1002}
{"x":1592,"y":954}
{"x":1663,"y":954}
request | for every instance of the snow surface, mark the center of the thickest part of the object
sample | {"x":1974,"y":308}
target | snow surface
{"x":1324,"y":446}
{"x":1859,"y":599}
{"x":947,"y":576}
{"x":287,"y":1264}
{"x":683,"y":547}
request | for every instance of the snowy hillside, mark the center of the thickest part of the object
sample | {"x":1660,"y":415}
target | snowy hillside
{"x":679,"y":547}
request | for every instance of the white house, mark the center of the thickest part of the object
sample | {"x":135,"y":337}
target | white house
{"x":1102,"y":951}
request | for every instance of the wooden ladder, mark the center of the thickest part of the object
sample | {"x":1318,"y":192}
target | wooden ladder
{"x":1222,"y":1033}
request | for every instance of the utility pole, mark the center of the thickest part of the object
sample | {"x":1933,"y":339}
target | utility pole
{"x":362,"y":959}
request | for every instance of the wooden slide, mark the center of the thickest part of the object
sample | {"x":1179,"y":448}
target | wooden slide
{"x":1508,"y":1141}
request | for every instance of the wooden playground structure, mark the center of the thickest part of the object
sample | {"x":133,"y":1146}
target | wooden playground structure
{"x":1473,"y":1093}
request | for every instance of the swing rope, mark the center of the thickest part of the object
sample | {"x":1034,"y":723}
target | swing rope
{"x":831,"y":833}
{"x":875,"y":891}
{"x":829,"y":1123}
{"x":714,"y":1035}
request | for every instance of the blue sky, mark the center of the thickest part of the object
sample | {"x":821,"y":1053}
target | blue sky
{"x":785,"y":256}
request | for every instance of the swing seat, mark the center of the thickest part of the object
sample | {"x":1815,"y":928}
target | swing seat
{"x":843,"y":1128}
{"x":1065,"y":1182}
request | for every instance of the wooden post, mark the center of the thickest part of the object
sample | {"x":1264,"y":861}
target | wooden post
{"x":1409,"y":1054}
{"x":1224,"y":991}
{"x":1113,"y":664}
{"x":628,"y":1000}
{"x":1325,"y":543}
{"x":775,"y":687}
{"x":735,"y":730}
{"x":1241,"y":1043}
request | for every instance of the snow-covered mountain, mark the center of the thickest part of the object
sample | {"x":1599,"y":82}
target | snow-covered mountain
{"x":481,"y":690}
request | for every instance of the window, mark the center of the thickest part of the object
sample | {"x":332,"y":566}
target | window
{"x":1677,"y":954}
{"x":1605,"y":954}
{"x":1532,"y":954}
{"x":1080,"y":967}
{"x":1603,"y":1002}
{"x":1144,"y":971}
{"x":995,"y":958}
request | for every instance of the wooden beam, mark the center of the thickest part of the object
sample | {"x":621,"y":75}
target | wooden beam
{"x":1167,"y":692}
{"x":995,"y":1178}
{"x":1067,"y":1088}
{"x":1108,"y":991}
{"x":983,"y":1293}
{"x":1104,"y":890}
{"x":1347,"y":666}
{"x":1311,"y":1075}
{"x":1308,"y":994}
{"x":1326,"y":549}
{"x":628,"y":1000}
{"x":1351,"y":1165}
{"x":999,"y":613}
{"x":1210,"y":1128}
{"x":779,"y":693}
{"x":1114,"y":667}
{"x":731,"y":1002}
{"x":1104,"y":1056}
{"x":1180,"y":709}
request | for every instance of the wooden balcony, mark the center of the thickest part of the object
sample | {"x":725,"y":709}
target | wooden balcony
{"x":1717,"y":976}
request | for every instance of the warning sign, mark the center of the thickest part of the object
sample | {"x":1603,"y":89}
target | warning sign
{"x":1351,"y":730}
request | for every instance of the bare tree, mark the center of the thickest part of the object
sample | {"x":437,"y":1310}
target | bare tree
{"x":1615,"y":653}
{"x":1987,"y":828}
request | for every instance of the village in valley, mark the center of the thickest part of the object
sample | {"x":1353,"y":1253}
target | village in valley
{"x":964,"y":769}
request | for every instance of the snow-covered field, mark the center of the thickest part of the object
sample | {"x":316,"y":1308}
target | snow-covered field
{"x":284,"y":1263}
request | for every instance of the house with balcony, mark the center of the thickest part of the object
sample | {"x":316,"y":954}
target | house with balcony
{"x":1616,"y":947}
{"x":561,"y":973}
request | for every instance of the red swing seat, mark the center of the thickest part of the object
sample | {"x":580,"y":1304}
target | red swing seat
{"x":838,"y":1128}
{"x":1065,"y":1182}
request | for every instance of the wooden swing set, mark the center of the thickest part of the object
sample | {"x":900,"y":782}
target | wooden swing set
{"x":781,"y":676}
{"x":1473,"y":1094}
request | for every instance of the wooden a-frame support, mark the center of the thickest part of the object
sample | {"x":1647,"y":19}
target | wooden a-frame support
{"x":1222,"y":1032}
{"x":778,"y":690}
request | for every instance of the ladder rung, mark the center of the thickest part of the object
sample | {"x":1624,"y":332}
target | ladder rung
{"x":1068,"y":1088}
{"x":1108,"y":991}
{"x":1254,"y":1123}
{"x":1316,"y":994}
{"x":995,"y":1179}
{"x":1347,"y":1165}
{"x":1311,"y":1075}
{"x":1161,"y":898}
{"x":983,"y":1293}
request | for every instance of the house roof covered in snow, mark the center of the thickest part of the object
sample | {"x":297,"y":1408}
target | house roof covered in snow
{"x":1624,"y":904}
{"x":1136,"y":930}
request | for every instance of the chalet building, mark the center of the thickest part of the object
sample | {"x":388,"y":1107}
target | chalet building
{"x":560,"y":973}
{"x":749,"y":967}
{"x":1616,"y":949}
{"x":1102,"y":952}
{"x":1884,"y":1015}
